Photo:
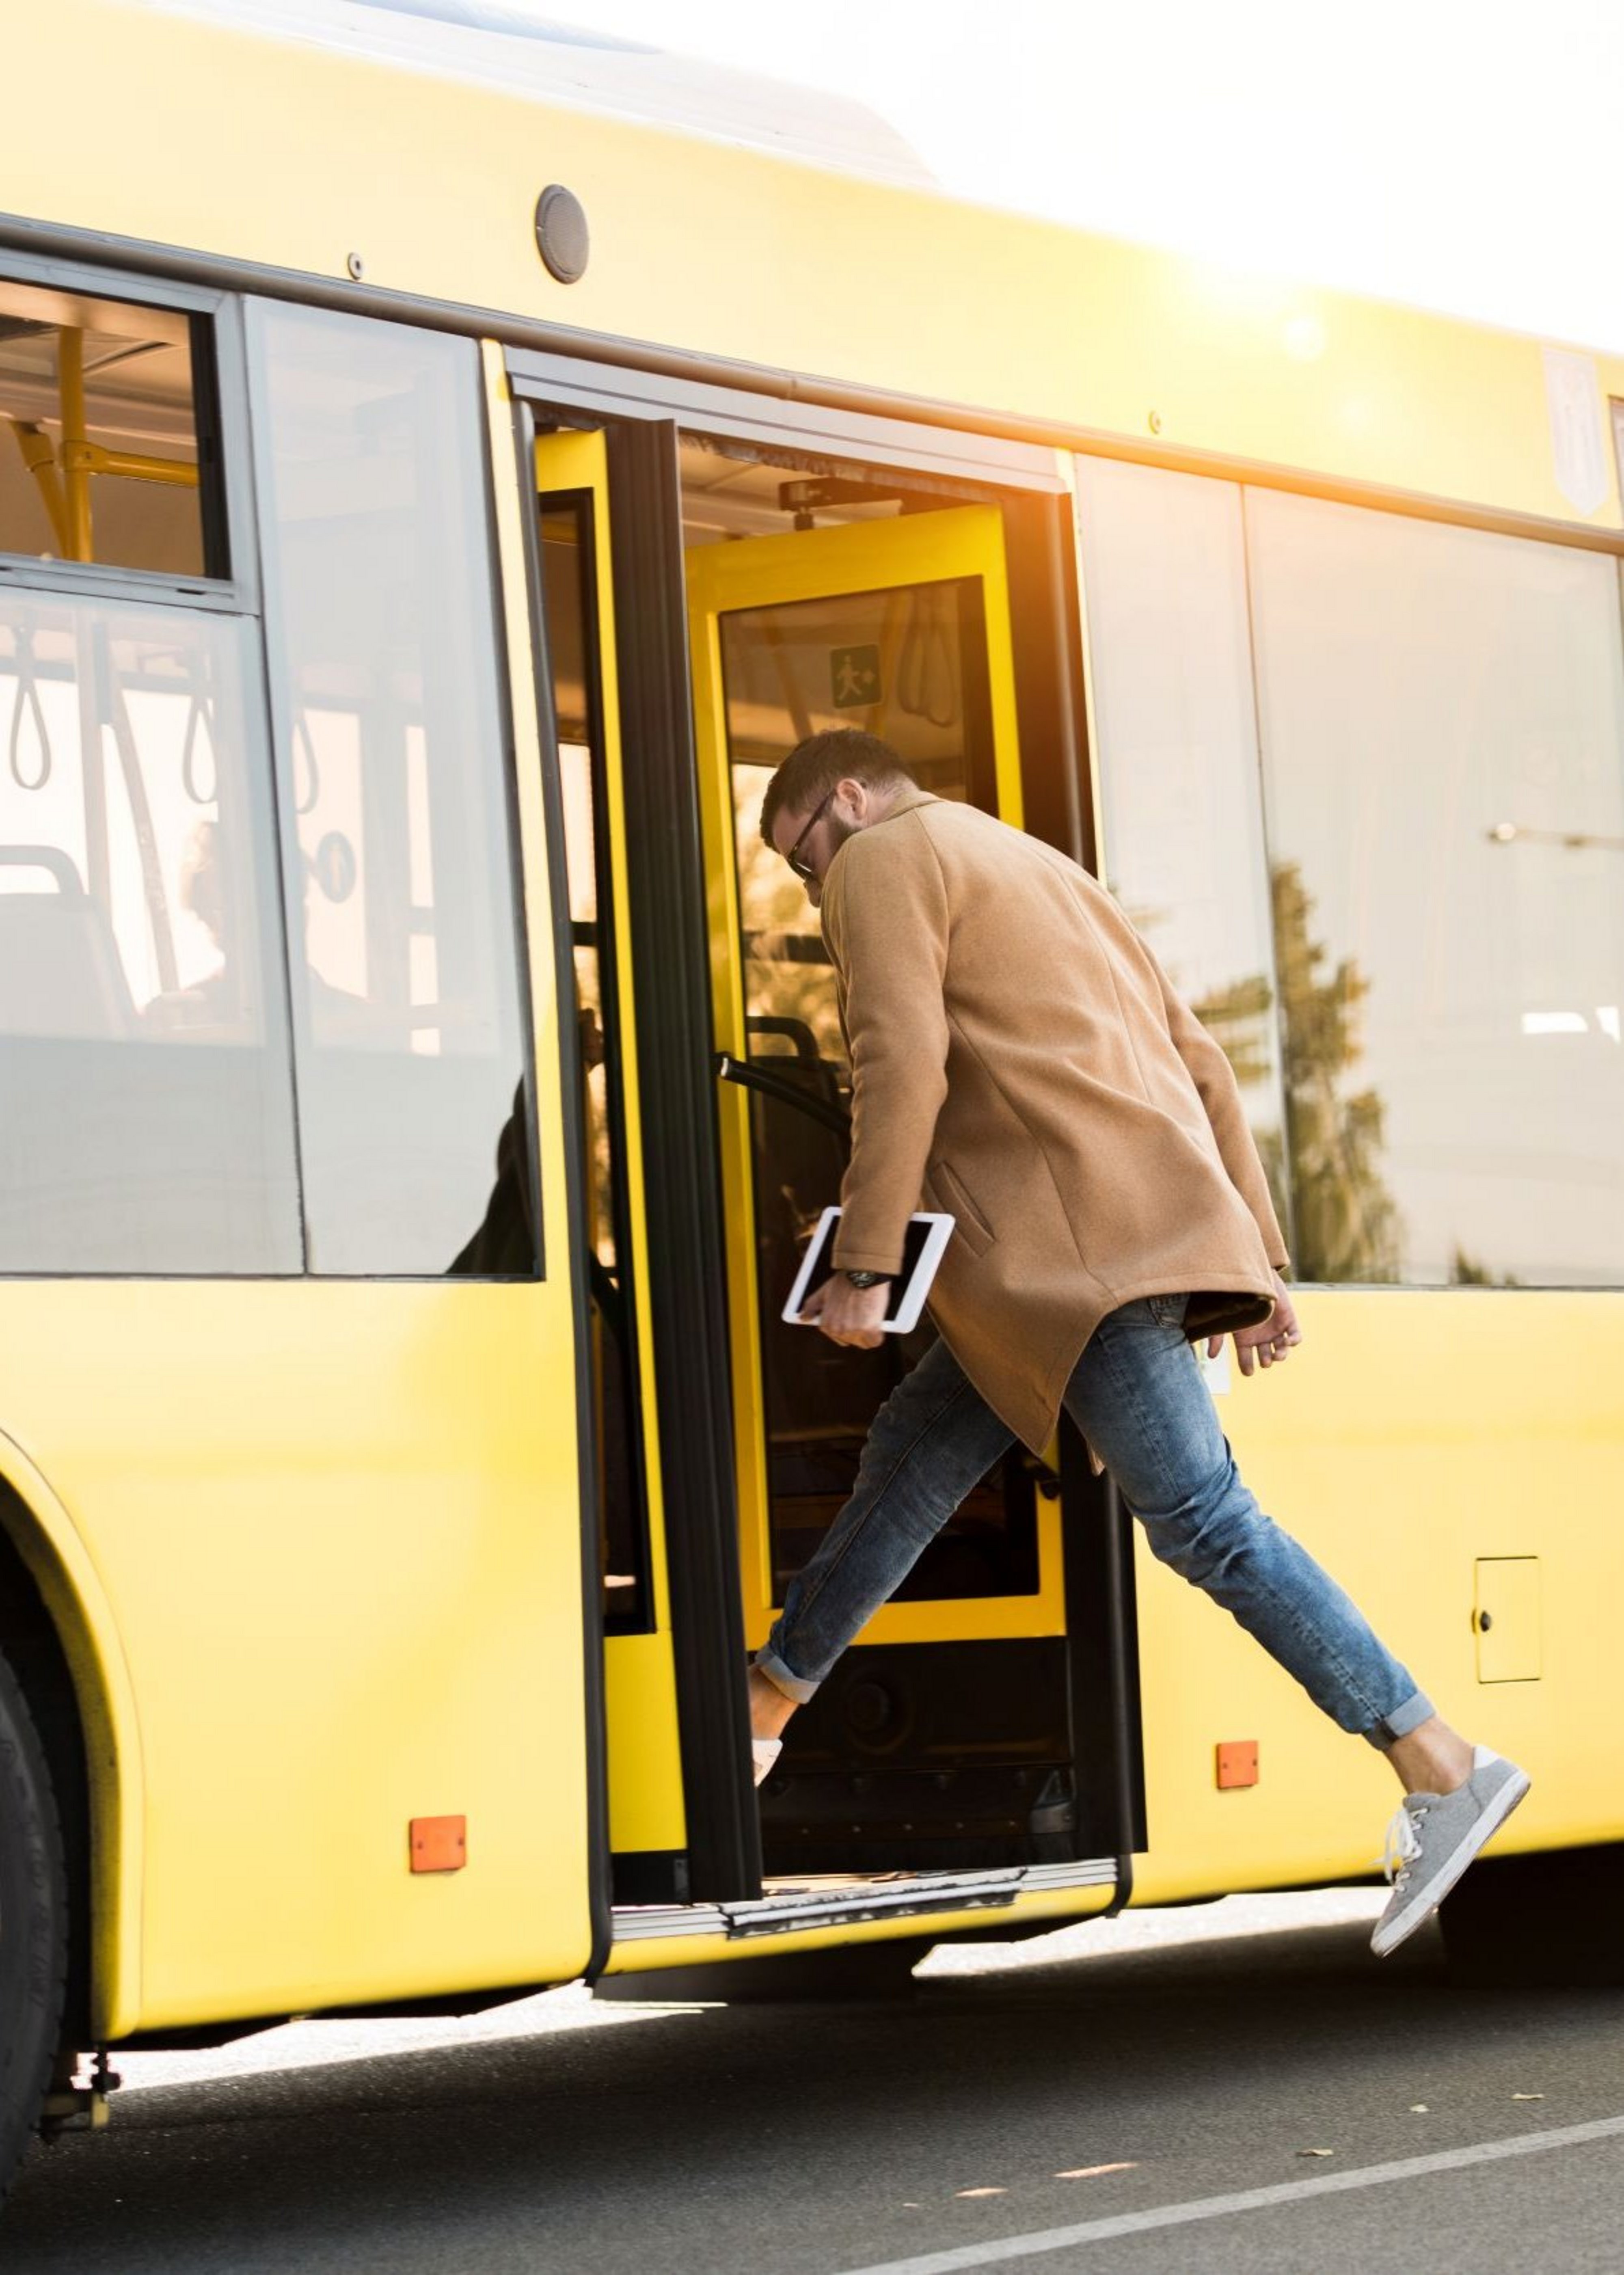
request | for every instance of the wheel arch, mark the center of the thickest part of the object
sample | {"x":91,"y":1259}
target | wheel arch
{"x":58,"y":1628}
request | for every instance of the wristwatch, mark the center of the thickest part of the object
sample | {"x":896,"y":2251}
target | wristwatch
{"x":869,"y":1279}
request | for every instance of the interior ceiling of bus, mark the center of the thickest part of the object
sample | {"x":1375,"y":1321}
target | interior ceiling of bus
{"x":502,"y":46}
{"x":137,"y":364}
{"x":726,"y":495}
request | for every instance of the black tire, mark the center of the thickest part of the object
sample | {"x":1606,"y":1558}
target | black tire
{"x":33,"y":1927}
{"x":1540,"y":1921}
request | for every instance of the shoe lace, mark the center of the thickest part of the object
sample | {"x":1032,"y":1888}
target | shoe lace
{"x":1403,"y":1844}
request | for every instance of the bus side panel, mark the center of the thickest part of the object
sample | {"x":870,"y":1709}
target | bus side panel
{"x":1413,"y":1437}
{"x":342,"y":1525}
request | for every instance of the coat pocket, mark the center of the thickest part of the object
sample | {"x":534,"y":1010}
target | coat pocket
{"x":977,"y":1234}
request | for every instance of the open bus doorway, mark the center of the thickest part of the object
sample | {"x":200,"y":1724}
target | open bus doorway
{"x":948,"y":1737}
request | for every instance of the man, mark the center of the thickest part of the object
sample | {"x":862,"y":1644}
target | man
{"x":1019,"y":1060}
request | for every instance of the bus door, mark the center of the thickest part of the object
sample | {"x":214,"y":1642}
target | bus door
{"x":945,"y":1738}
{"x":647,"y":1829}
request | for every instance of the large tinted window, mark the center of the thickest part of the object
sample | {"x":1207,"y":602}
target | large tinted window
{"x":384,"y":662}
{"x":1165,"y":567}
{"x":1421,"y":727}
{"x":146,"y":1123}
{"x":1442,"y":716}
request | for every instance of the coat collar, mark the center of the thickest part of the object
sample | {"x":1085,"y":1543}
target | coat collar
{"x":909,"y":804}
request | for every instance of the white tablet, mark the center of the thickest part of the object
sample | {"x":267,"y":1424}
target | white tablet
{"x":926,"y":1238}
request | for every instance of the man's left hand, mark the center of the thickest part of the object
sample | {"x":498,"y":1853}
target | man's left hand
{"x":1272,"y":1339}
{"x":848,"y":1315}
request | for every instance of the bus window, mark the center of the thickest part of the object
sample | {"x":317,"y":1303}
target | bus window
{"x":1445,"y":832}
{"x":143,"y":1048}
{"x":398,"y":869}
{"x":567,"y":538}
{"x":100,"y":463}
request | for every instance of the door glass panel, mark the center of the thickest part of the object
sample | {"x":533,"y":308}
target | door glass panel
{"x":381,"y":637}
{"x":908,"y":663}
{"x":623,"y":1535}
{"x":1175,"y":737}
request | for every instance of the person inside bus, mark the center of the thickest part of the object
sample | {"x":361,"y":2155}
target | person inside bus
{"x":210,"y":1006}
{"x":213,"y":1007}
{"x":1019,"y":1059}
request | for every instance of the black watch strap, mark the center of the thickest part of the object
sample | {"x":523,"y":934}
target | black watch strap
{"x":870,"y":1279}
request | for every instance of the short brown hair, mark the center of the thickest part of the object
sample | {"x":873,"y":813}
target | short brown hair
{"x":813,"y":767}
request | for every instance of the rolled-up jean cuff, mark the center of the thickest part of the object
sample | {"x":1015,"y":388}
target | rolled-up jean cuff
{"x":1416,"y":1709}
{"x":768,"y":1662}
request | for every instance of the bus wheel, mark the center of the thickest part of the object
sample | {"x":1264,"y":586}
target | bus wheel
{"x":33,"y":1926}
{"x":1531,"y":1921}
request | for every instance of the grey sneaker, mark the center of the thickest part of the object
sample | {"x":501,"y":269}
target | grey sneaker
{"x":1434,"y":1838}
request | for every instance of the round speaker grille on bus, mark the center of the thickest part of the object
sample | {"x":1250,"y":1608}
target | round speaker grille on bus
{"x":562,"y":233}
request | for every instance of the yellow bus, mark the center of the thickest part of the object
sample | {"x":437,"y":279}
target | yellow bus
{"x":441,"y":472}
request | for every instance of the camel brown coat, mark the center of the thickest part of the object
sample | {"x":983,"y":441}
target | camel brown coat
{"x":1019,"y":1059}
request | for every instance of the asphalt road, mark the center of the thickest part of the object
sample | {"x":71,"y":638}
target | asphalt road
{"x":1072,"y":2106}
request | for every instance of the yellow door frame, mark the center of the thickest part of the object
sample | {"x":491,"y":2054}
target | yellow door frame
{"x":961,"y":541}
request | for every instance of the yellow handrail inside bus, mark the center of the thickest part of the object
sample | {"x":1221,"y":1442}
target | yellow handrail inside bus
{"x":63,"y":475}
{"x":75,"y":481}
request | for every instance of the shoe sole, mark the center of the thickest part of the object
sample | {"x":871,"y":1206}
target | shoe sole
{"x":1426,"y":1901}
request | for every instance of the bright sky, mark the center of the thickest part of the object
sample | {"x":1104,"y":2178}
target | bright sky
{"x":1463,"y":155}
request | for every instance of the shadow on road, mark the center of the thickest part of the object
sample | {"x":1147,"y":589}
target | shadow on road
{"x":780,"y":2140}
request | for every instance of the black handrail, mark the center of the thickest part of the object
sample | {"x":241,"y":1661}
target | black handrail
{"x":750,"y":1076}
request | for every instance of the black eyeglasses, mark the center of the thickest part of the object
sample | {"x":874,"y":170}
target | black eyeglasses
{"x":802,"y":867}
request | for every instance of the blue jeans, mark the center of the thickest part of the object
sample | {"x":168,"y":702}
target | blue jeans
{"x":1138,"y":1396}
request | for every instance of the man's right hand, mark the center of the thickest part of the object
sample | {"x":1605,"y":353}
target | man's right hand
{"x":848,"y":1315}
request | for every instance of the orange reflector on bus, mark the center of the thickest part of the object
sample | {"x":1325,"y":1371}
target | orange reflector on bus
{"x":1237,"y":1763}
{"x":439,"y":1844}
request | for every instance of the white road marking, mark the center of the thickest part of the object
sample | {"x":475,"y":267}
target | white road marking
{"x":1135,"y":2223}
